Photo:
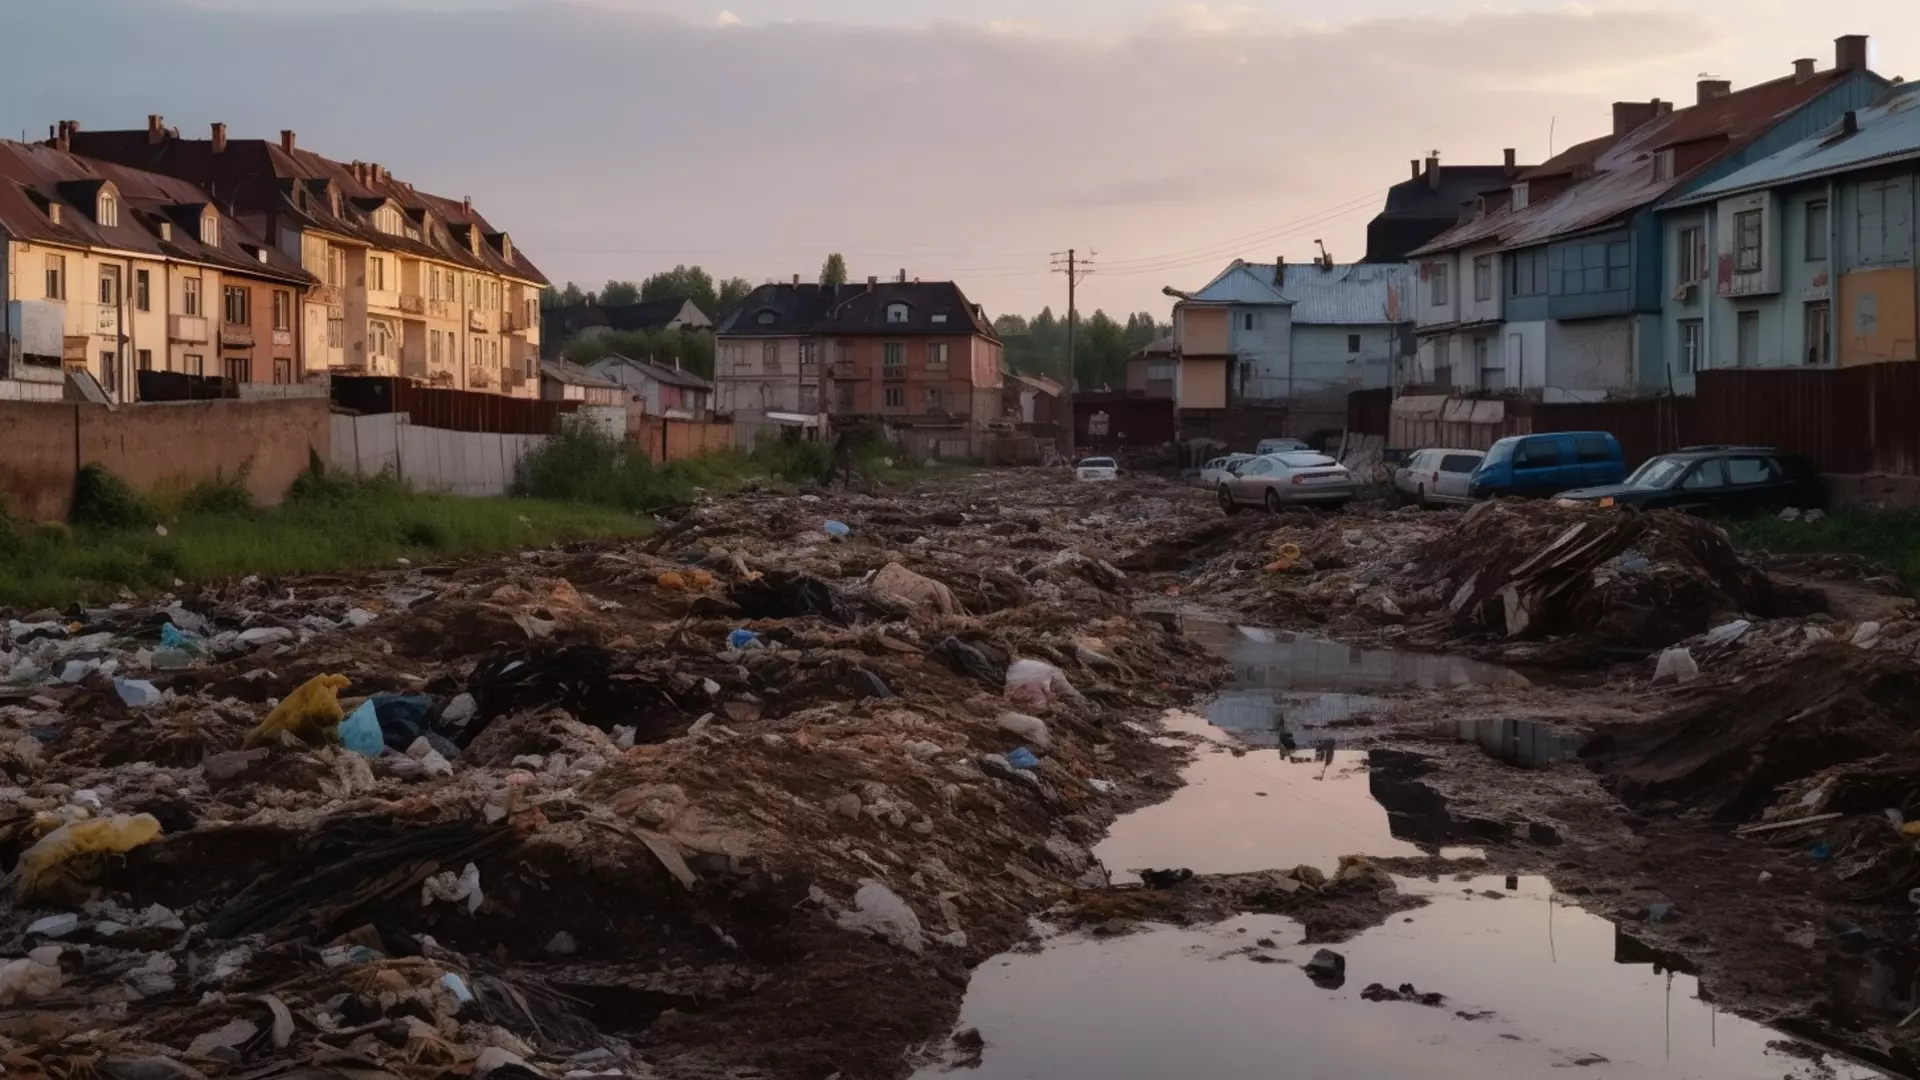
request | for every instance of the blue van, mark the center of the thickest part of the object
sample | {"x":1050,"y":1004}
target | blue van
{"x":1539,"y":466}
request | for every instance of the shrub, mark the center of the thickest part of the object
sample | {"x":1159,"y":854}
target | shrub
{"x":221,"y":495}
{"x":102,"y":500}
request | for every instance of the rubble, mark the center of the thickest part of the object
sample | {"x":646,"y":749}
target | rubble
{"x":535,"y":813}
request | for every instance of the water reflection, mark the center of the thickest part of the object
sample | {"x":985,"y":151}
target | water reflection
{"x":1530,"y":744}
{"x":1531,"y":985}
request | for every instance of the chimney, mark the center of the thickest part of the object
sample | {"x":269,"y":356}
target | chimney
{"x":286,"y":140}
{"x":1629,"y":115}
{"x":796,"y":281}
{"x":1803,"y":69}
{"x":1708,"y":89}
{"x":872,"y":281}
{"x":903,"y":275}
{"x":1850,"y":52}
{"x":1416,"y":169}
{"x":1433,"y":173}
{"x":156,"y":129}
{"x":1510,"y":159}
{"x":219,"y":138}
{"x":1280,"y":270}
{"x":65,"y":138}
{"x":466,"y":203}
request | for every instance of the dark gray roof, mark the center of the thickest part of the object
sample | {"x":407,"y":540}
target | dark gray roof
{"x":572,"y":374}
{"x":932,"y":307}
{"x":1420,"y":209}
{"x":672,"y":376}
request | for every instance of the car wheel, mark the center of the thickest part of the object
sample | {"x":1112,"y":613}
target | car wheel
{"x":1273,"y":501}
{"x":1226,"y":501}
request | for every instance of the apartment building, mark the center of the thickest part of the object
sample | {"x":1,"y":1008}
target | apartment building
{"x":411,"y":284}
{"x":113,"y":271}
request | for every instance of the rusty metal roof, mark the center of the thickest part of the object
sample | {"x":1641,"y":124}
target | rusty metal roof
{"x":1885,"y":133}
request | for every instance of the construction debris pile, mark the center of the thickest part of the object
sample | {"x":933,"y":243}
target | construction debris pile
{"x":751,"y":795}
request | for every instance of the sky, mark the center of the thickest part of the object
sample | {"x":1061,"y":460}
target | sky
{"x":952,"y":139}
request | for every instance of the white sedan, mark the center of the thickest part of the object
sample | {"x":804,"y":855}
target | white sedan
{"x":1221,"y":468}
{"x":1097,"y":468}
{"x":1291,"y":479}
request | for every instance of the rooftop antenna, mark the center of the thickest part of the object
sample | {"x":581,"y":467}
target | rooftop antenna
{"x":1550,"y":122}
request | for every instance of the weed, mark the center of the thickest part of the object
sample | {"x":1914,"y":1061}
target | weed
{"x":102,"y":500}
{"x":222,"y":494}
{"x":1888,"y":537}
{"x":580,"y":463}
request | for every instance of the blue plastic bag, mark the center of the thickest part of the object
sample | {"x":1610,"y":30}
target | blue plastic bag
{"x":838,"y":529}
{"x":742,"y":639}
{"x":172,"y":637}
{"x":360,"y":731}
{"x":1023,"y":759}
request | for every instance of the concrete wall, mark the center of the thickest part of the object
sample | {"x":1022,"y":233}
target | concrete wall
{"x":1590,"y":357}
{"x":429,"y":459}
{"x":1201,"y":331}
{"x":1261,"y":336}
{"x":154,"y":447}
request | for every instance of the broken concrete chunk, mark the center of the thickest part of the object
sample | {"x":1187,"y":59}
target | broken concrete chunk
{"x":1031,"y":728}
{"x":879,"y":911}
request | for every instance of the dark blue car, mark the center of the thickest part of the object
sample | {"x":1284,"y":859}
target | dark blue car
{"x":1540,"y":466}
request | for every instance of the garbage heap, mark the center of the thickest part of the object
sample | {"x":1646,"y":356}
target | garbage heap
{"x":751,"y":795}
{"x":1614,"y":579}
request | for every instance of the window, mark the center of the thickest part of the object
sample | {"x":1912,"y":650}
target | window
{"x":433,"y":348}
{"x":379,"y":338}
{"x":1591,"y":450}
{"x":896,"y":313}
{"x":387,"y":219}
{"x":106,"y":210}
{"x":376,"y":273}
{"x":210,"y":228}
{"x":934,"y":401}
{"x":1817,"y":230}
{"x":770,"y":356}
{"x":145,"y":359}
{"x":1708,"y":474}
{"x":238,"y":300}
{"x":195,"y":364}
{"x":239,"y":369}
{"x":809,"y":399}
{"x":937,"y":356}
{"x":1160,"y":371}
{"x":1662,"y":165}
{"x":1437,"y":277}
{"x":1748,"y":340}
{"x":336,"y":333}
{"x":56,"y":277}
{"x":809,"y":355}
{"x":1249,"y":320}
{"x":1751,"y":470}
{"x":1353,"y":343}
{"x":190,"y":296}
{"x":282,"y":309}
{"x":1520,"y":195}
{"x":1692,"y":259}
{"x":895,"y":357}
{"x":1692,"y":335}
{"x":336,"y":267}
{"x":283,"y":371}
{"x":1882,"y":225}
{"x":1527,"y":272}
{"x":1459,"y":463}
{"x":1747,"y":237}
{"x":1537,"y":454}
{"x":1483,"y":277}
{"x":1819,"y":333}
{"x":843,"y":397}
{"x":896,"y":398}
{"x":1492,"y":375}
{"x":740,"y":361}
{"x":109,"y":286}
{"x":109,"y":372}
{"x":1594,"y":268}
{"x":1257,"y":467}
{"x":143,"y":290}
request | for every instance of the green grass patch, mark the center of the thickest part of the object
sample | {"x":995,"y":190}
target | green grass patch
{"x":1888,"y":537}
{"x":328,"y":523}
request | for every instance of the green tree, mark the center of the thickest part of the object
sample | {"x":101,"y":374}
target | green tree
{"x":834,"y":270}
{"x":689,"y":349}
{"x":568,"y":296}
{"x":733,"y":292}
{"x":1100,"y":353}
{"x":683,"y":283}
{"x":619,"y":292}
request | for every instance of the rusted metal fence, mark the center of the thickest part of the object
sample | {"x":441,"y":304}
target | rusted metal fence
{"x":449,"y":410}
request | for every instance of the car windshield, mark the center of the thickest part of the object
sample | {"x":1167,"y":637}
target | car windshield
{"x":1097,"y":463}
{"x":1660,"y":472}
{"x":1304,"y":461}
{"x":1501,"y":452}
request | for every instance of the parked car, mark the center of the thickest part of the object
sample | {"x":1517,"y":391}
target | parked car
{"x":1728,"y":479}
{"x":1279,"y":446}
{"x":1220,"y":468}
{"x":1097,"y":468}
{"x":1300,"y":478}
{"x":1538,"y":466}
{"x":1430,"y":477}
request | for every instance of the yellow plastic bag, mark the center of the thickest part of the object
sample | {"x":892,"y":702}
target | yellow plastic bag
{"x":311,"y":714}
{"x":40,"y":865}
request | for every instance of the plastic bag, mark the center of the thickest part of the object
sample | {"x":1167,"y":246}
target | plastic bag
{"x":743,"y":639}
{"x":1036,"y":685}
{"x":39,"y":867}
{"x":403,"y":717}
{"x":32,"y":977}
{"x":311,"y":713}
{"x":444,"y":886}
{"x":361,"y":731}
{"x":1678,"y":665}
{"x":896,"y":582}
{"x":1031,"y":728}
{"x":838,"y":529}
{"x":879,"y":910}
{"x":173,"y":637}
{"x":137,"y":693}
{"x":1024,"y":759}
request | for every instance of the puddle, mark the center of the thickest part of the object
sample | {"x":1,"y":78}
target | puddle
{"x":1527,"y":743}
{"x":1543,"y":987}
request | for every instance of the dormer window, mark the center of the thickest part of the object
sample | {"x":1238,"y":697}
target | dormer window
{"x":765,"y":318}
{"x":53,"y":212}
{"x":166,"y":231}
{"x":1663,"y":165}
{"x":506,"y":247}
{"x":210,"y":227}
{"x":388,"y":220}
{"x":896,"y":313}
{"x":473,"y":240}
{"x":106,"y":210}
{"x":1520,"y":195}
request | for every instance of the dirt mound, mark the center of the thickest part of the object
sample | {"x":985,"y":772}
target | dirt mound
{"x":1616,"y":578}
{"x":1728,"y":754}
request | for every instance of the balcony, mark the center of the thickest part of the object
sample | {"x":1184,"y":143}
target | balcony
{"x":384,"y":299}
{"x":514,"y":322}
{"x":441,"y":309}
{"x":236,"y":335}
{"x":479,"y":378}
{"x":413,"y":304}
{"x":325,"y":294}
{"x":476,"y":320}
{"x":513,"y":379}
{"x":845,"y":369}
{"x":282,"y":339}
{"x":894,"y":371}
{"x":191,"y":329}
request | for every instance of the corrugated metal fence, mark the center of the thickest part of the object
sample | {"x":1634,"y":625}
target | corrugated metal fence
{"x":448,"y":410}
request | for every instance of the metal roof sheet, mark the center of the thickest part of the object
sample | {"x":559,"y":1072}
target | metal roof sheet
{"x":1888,"y":131}
{"x":1347,"y":294}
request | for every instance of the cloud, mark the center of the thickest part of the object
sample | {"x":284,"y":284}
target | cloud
{"x":613,"y":143}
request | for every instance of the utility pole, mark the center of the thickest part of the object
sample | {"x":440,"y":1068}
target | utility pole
{"x":1075,"y":268}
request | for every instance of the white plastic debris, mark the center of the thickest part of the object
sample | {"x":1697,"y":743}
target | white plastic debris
{"x":32,"y":977}
{"x":430,"y":759}
{"x":1677,"y":665}
{"x":1728,"y":633}
{"x":54,"y":926}
{"x":1104,"y":787}
{"x":1031,"y":728}
{"x":1036,"y":685}
{"x":229,"y":963}
{"x":265,"y":635}
{"x":154,"y":977}
{"x":879,"y":910}
{"x":624,"y":736}
{"x":137,"y":693}
{"x":1866,"y":634}
{"x":359,"y":617}
{"x":1791,"y":513}
{"x":445,"y":886}
{"x":77,"y":670}
{"x":460,"y":710}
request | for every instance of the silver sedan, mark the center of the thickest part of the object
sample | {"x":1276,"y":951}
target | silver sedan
{"x":1275,"y":481}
